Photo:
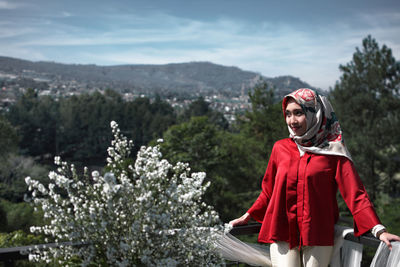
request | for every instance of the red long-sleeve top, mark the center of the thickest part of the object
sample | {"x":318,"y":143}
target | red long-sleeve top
{"x":298,"y":203}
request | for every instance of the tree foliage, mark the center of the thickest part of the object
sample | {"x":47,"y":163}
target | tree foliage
{"x":143,"y":120}
{"x":18,"y":216}
{"x":35,"y":120}
{"x":13,"y":170}
{"x":199,"y":108}
{"x":8,"y":138}
{"x":83,"y":121}
{"x":198,"y":143}
{"x":265,"y":121}
{"x":367,"y":102}
{"x":76,"y":127}
{"x":235,"y":161}
{"x":232,"y":161}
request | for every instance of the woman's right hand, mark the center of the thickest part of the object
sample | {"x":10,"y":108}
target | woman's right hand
{"x":240,"y":221}
{"x":387,"y":237}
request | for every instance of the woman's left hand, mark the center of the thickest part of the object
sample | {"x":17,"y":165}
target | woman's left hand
{"x":387,"y":237}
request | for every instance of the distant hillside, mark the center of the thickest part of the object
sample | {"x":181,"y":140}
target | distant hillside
{"x":190,"y":78}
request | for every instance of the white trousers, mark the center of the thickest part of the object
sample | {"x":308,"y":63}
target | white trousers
{"x":313,"y":256}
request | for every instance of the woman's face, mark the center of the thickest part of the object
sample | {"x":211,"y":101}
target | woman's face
{"x":295,"y":117}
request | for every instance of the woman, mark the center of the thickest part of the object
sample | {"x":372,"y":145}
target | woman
{"x":297,"y":206}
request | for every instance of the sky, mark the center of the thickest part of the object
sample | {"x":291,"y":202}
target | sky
{"x":305,"y":39}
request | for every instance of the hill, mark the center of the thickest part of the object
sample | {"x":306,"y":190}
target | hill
{"x":192,"y":78}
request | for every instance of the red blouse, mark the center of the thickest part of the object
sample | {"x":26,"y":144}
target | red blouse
{"x":298,"y":203}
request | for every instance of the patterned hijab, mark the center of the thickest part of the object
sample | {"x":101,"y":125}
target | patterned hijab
{"x":323,"y":134}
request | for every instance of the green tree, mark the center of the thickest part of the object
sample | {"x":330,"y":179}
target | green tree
{"x":389,"y":212}
{"x":20,"y":216}
{"x":35,"y":121}
{"x":197,"y":108}
{"x":144,"y":121}
{"x":76,"y":127}
{"x":19,"y":238}
{"x":198,"y":142}
{"x":84,"y":123}
{"x":8,"y":138}
{"x":13,"y":170}
{"x":243,"y":166}
{"x":257,"y":131}
{"x":367,"y":103}
{"x":265,"y":121}
{"x":235,"y":161}
{"x":84,"y":120}
{"x":229,"y":159}
{"x":200,"y":107}
{"x":3,"y":220}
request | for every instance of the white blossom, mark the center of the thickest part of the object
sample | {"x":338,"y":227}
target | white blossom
{"x":113,"y":124}
{"x":146,"y":214}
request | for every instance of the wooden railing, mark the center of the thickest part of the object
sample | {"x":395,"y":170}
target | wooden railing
{"x":9,"y":255}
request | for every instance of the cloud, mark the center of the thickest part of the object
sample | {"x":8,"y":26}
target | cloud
{"x":310,"y":52}
{"x":8,"y":5}
{"x":385,"y":28}
{"x":66,"y":14}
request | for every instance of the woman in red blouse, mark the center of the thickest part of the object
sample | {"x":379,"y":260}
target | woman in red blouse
{"x":297,"y":205}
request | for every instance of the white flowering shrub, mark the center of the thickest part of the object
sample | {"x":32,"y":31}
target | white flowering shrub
{"x":147,"y":214}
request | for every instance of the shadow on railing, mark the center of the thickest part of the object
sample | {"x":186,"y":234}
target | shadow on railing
{"x":9,"y":255}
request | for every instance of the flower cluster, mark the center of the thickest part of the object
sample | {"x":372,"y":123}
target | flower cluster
{"x":150,"y":213}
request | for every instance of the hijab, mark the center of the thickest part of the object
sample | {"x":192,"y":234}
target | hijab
{"x":323,"y":134}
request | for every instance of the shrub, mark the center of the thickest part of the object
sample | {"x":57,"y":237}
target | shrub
{"x":150,"y":213}
{"x":17,"y":216}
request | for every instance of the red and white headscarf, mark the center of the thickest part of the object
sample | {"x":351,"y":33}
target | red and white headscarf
{"x":323,"y":134}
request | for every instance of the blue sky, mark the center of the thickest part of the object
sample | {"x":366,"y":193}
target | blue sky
{"x":305,"y":39}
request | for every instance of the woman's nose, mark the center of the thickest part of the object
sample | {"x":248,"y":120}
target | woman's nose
{"x":292,"y":120}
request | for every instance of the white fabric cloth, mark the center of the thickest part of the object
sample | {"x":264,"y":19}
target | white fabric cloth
{"x":233,"y":249}
{"x":385,"y":257}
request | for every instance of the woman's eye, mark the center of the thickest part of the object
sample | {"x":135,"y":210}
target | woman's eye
{"x":299,"y":113}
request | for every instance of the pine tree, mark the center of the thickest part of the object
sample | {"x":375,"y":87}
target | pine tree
{"x":367,"y":102}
